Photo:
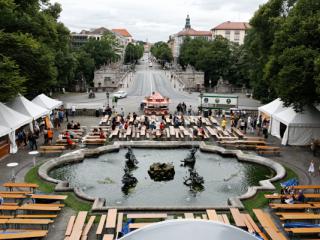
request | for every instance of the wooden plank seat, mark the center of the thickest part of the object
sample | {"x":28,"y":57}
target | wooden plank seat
{"x":70,"y":226}
{"x":299,"y":216}
{"x":189,"y":215}
{"x":268,"y":225}
{"x":267,"y":150}
{"x":49,"y":197}
{"x":29,"y":221}
{"x":52,"y":147}
{"x":32,"y":207}
{"x":8,"y":208}
{"x":108,"y":237}
{"x":279,"y":196}
{"x":22,"y":234}
{"x":12,"y":185}
{"x":97,"y":141}
{"x":237,"y":132}
{"x":10,"y":204}
{"x":119,"y":224}
{"x":87,"y":228}
{"x":303,"y":230}
{"x":13,"y":196}
{"x":48,"y":216}
{"x":238,"y":219}
{"x":100,"y":227}
{"x":252,"y":226}
{"x":212,"y":214}
{"x":147,"y":215}
{"x":111,"y":220}
{"x":78,"y":226}
{"x":291,"y":206}
{"x":6,"y":216}
{"x":15,"y":192}
{"x":139,"y":225}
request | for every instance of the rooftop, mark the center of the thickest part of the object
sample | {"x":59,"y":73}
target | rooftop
{"x":192,"y":32}
{"x":122,"y":31}
{"x":232,"y":26}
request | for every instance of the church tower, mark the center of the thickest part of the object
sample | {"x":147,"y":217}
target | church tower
{"x":188,"y":25}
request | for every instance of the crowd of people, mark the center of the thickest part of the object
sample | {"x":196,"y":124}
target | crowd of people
{"x":289,"y":195}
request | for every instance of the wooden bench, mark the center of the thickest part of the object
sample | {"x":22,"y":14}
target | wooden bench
{"x":188,"y":216}
{"x":252,"y":226}
{"x":70,"y":226}
{"x":237,"y":132}
{"x":49,"y":197}
{"x":212,"y":215}
{"x":238,"y":219}
{"x":268,"y":225}
{"x":6,"y":216}
{"x":147,"y":215}
{"x":32,"y":207}
{"x":29,"y":221}
{"x":31,"y":186}
{"x":138,"y":225}
{"x":119,"y":225}
{"x":107,"y":237}
{"x":314,"y":230}
{"x":291,"y":206}
{"x":111,"y":221}
{"x":49,"y":216}
{"x":87,"y":228}
{"x":267,"y":150}
{"x":26,"y":234}
{"x":100,"y":228}
{"x":78,"y":226}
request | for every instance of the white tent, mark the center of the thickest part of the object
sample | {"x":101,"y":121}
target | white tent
{"x":189,"y":230}
{"x":269,"y":109}
{"x":272,"y":107}
{"x":46,"y":102}
{"x":4,"y":131}
{"x":26,"y":107}
{"x":13,"y":120}
{"x":298,"y":128}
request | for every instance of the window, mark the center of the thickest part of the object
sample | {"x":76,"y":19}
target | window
{"x":227,"y":34}
{"x":236,"y":35}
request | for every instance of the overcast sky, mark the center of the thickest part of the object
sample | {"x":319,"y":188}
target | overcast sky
{"x":154,"y":20}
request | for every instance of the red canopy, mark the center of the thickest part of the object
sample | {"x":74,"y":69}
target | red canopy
{"x":156,"y":98}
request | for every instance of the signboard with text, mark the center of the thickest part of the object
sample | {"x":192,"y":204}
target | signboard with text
{"x":211,"y":101}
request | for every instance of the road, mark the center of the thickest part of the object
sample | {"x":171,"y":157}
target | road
{"x":145,"y":81}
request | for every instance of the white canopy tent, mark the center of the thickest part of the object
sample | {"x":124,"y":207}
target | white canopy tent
{"x":4,"y":131}
{"x":13,"y":120}
{"x":271,"y":108}
{"x":296,"y":128}
{"x":189,"y":230}
{"x":46,"y":102}
{"x":28,"y":108}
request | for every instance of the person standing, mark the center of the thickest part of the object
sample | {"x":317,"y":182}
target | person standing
{"x":311,"y":168}
{"x":66,"y":113}
{"x":224,"y":123}
{"x":73,"y":110}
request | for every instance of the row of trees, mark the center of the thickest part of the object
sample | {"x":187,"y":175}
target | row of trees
{"x":35,"y":50}
{"x":280,"y":57}
{"x":283,"y":48}
{"x":217,"y":58}
{"x":162,"y":52}
{"x":133,"y":53}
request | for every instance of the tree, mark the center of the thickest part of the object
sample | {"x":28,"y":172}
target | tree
{"x":11,"y":82}
{"x":133,"y":53}
{"x":162,"y":52}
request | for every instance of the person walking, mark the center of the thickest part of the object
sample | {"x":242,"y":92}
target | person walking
{"x":311,"y":168}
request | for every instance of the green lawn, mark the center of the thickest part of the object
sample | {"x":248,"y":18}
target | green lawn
{"x":259,"y":201}
{"x":72,"y":201}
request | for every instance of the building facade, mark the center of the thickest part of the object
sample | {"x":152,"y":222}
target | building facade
{"x":233,"y":31}
{"x":176,"y":40}
{"x":122,"y":35}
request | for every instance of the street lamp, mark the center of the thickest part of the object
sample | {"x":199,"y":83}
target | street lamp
{"x":107,"y":94}
{"x":201,"y":96}
{"x":12,"y":166}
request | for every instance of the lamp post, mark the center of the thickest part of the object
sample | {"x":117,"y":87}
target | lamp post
{"x":201,"y":96}
{"x":12,"y":166}
{"x":107,"y":94}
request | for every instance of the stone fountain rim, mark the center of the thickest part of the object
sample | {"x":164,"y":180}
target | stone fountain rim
{"x":100,"y":203}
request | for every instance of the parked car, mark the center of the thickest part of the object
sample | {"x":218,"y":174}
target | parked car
{"x":120,"y":94}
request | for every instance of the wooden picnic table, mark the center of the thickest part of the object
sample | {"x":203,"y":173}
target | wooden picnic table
{"x":303,"y":230}
{"x":15,"y":192}
{"x":147,"y":215}
{"x":279,"y":196}
{"x":50,"y":197}
{"x":53,"y":147}
{"x":8,"y":208}
{"x":30,"y":221}
{"x":3,"y":221}
{"x":32,"y":207}
{"x":111,"y":218}
{"x":138,"y":225}
{"x":212,"y":214}
{"x":238,"y":219}
{"x":20,"y":185}
{"x":291,"y":206}
{"x":25,"y":234}
{"x":78,"y":226}
{"x":13,"y":196}
{"x":300,"y":216}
